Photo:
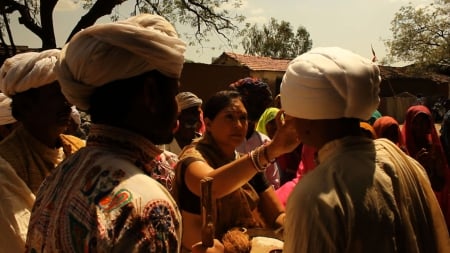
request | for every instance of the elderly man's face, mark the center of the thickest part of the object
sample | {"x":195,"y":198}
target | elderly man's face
{"x":189,"y":124}
{"x":50,"y":109}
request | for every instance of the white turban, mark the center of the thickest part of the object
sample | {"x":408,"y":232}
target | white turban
{"x":28,"y":70}
{"x":5,"y":110}
{"x":107,"y":52}
{"x":187,"y":100}
{"x":330,"y":83}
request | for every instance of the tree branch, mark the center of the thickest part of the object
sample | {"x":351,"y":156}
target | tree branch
{"x":25,"y":17}
{"x":98,"y":10}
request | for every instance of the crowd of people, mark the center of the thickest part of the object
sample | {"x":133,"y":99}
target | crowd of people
{"x":317,"y":166}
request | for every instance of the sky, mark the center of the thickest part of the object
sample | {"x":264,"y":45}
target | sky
{"x":352,"y":24}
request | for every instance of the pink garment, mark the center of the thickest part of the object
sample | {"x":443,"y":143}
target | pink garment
{"x":306,"y":165}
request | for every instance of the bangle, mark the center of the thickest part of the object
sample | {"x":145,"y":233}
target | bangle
{"x":254,"y":157}
{"x":266,"y":155}
{"x":250,"y":155}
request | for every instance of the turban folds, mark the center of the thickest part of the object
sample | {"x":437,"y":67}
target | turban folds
{"x":187,"y":100}
{"x":5,"y":110}
{"x":28,"y":70}
{"x":330,"y":83}
{"x":104,"y":53}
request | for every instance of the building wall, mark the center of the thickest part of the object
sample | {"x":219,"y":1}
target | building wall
{"x":416,"y":86}
{"x":272,"y":78}
{"x":206,"y":79}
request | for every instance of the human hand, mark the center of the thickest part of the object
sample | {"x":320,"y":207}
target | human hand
{"x":424,"y":158}
{"x":216,"y":248}
{"x":286,"y":138}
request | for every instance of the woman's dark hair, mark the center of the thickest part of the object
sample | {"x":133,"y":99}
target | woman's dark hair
{"x":218,"y":102}
{"x":256,"y":96}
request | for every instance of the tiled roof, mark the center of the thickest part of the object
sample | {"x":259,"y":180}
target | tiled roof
{"x":388,"y":72}
{"x":255,"y":62}
{"x":260,"y":63}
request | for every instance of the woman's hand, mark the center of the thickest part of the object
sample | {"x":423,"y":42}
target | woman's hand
{"x":216,"y":248}
{"x":285,"y":139}
{"x":434,"y":166}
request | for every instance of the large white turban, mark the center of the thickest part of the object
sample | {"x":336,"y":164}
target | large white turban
{"x":5,"y":110}
{"x":107,"y":52}
{"x":28,"y":70}
{"x":330,"y":83}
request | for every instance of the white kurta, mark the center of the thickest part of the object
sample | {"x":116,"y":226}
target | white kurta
{"x":364,"y":196}
{"x":16,"y":202}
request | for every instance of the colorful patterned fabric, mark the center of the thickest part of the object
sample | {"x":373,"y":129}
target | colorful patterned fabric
{"x":32,"y":159}
{"x":102,"y":199}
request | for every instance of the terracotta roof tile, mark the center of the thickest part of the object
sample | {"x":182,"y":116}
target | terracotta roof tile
{"x":256,"y":62}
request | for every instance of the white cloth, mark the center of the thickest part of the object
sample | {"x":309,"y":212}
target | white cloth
{"x":187,"y":100}
{"x":330,"y":83}
{"x":364,"y":196}
{"x":15,"y":209}
{"x":261,"y":244}
{"x":5,"y":110}
{"x":28,"y":70}
{"x":107,"y":52}
{"x":75,"y":114}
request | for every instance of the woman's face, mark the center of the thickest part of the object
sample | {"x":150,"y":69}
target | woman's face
{"x":421,"y":125}
{"x":229,"y":127}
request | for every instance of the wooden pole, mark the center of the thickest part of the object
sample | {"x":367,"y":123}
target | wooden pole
{"x":208,"y":212}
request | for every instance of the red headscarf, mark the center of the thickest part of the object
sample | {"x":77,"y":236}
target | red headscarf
{"x":383,"y":123}
{"x":443,"y":196}
{"x":407,"y":131}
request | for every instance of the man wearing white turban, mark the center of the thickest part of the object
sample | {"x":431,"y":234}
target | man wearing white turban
{"x":7,"y":121}
{"x":36,"y":145}
{"x":364,"y":195}
{"x":102,"y":199}
{"x":190,"y":119}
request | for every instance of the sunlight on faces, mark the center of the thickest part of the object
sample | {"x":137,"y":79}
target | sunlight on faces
{"x":229,"y":127}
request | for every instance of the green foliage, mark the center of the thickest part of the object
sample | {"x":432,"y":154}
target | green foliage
{"x":421,"y":35}
{"x":275,"y":39}
{"x":205,"y":17}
